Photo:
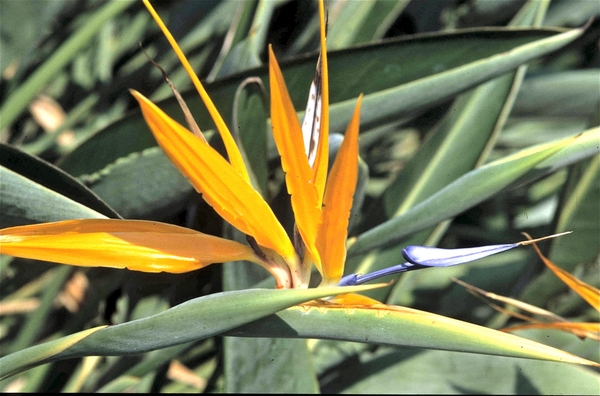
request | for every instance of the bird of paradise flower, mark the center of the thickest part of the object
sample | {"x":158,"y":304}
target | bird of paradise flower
{"x":321,"y":200}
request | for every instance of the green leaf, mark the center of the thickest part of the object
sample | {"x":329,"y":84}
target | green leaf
{"x":381,"y":18}
{"x":248,"y":39}
{"x":40,"y":354}
{"x":265,"y":365}
{"x":425,"y":91}
{"x":472,"y":124}
{"x":479,"y":185}
{"x":399,"y":326}
{"x":438,"y":372}
{"x":141,"y":185}
{"x":251,"y":111}
{"x":130,"y":195}
{"x":262,"y":365}
{"x":51,"y":178}
{"x":570,"y":93}
{"x":34,"y":322}
{"x":193,"y":320}
{"x":25,"y":201}
{"x":123,"y":384}
{"x":571,"y":13}
{"x":351,"y":17}
{"x":467,"y":129}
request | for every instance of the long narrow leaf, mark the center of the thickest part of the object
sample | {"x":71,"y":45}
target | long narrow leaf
{"x":193,"y":320}
{"x":398,"y":326}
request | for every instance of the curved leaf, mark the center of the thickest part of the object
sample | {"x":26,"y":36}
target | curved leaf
{"x":377,"y":373}
{"x":399,"y":326}
{"x":192,"y":320}
{"x":25,"y":201}
{"x":142,"y":185}
{"x":52,"y":178}
{"x":34,"y":356}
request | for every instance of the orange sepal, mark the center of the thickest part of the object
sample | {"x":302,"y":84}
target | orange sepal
{"x":333,"y":230}
{"x":134,"y":244}
{"x":588,"y":292}
{"x":232,"y":196}
{"x":233,"y":152}
{"x":356,"y":301}
{"x":287,"y":133}
{"x":352,"y":300}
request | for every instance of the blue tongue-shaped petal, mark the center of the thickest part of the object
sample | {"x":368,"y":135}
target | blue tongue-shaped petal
{"x":436,"y":257}
{"x":419,"y":257}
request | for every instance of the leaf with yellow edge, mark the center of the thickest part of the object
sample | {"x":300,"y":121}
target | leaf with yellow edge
{"x":333,"y":230}
{"x":233,"y":152}
{"x":134,"y":244}
{"x":233,"y":197}
{"x":36,"y":355}
{"x":361,"y":319}
{"x":287,"y":133}
{"x":190,"y":321}
{"x":588,"y":292}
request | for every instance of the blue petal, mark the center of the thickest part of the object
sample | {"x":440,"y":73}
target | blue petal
{"x":436,"y":257}
{"x":348,"y":280}
{"x":419,"y":257}
{"x":357,"y":279}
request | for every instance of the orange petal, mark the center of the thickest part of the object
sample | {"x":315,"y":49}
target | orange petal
{"x":321,"y":162}
{"x":298,"y":175}
{"x":353,"y":300}
{"x":134,"y":244}
{"x":233,"y":152}
{"x":232,"y":196}
{"x":333,"y":231}
{"x":588,"y":292}
{"x":356,"y":300}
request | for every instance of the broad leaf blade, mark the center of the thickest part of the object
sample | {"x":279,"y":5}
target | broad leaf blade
{"x":400,"y":327}
{"x":31,"y":357}
{"x":141,"y":186}
{"x":53,"y":178}
{"x":193,"y":320}
{"x":25,"y":201}
{"x":378,"y":373}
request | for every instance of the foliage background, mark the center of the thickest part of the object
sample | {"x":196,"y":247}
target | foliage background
{"x":75,"y":112}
